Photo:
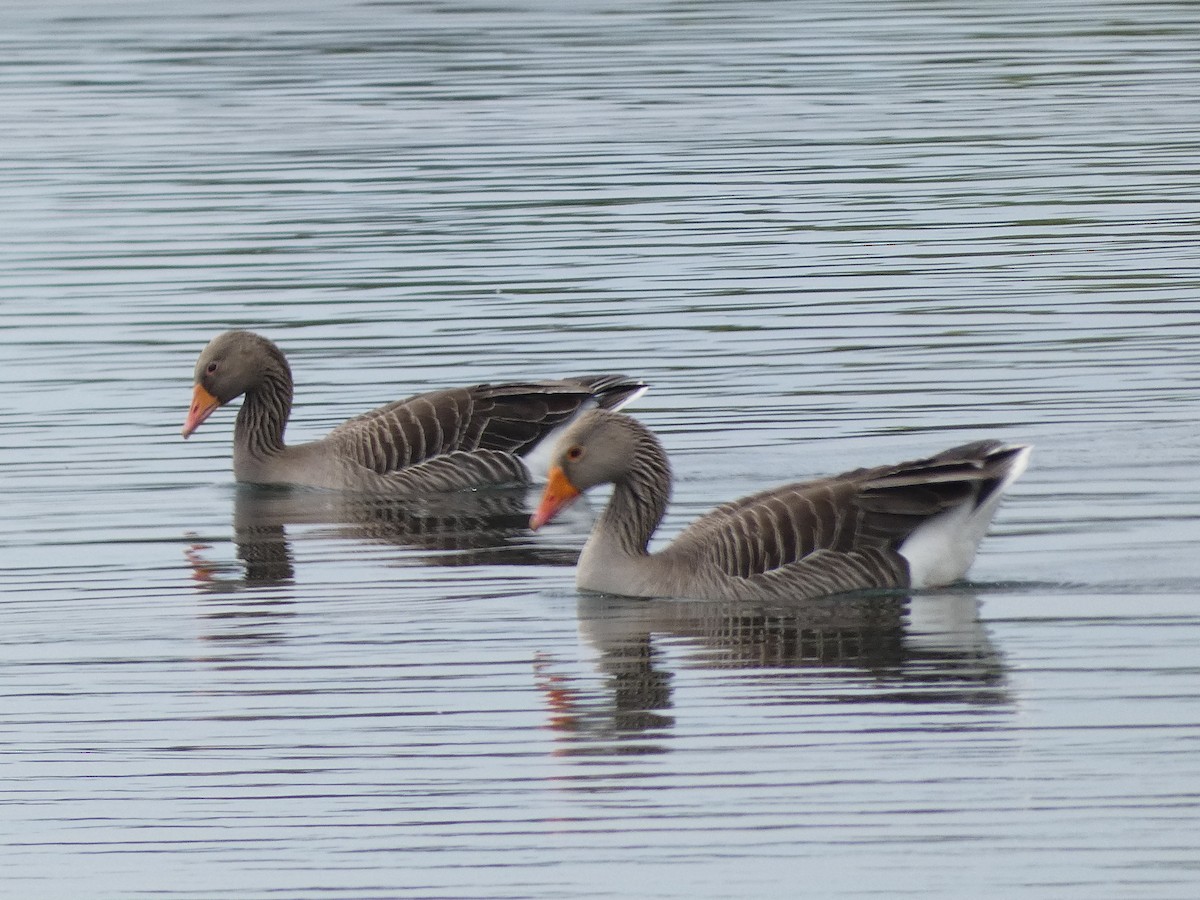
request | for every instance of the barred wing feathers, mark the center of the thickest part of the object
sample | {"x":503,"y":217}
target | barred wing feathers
{"x":843,"y":533}
{"x":505,"y":418}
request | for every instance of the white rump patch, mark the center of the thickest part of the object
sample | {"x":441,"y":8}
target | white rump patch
{"x":941,"y":550}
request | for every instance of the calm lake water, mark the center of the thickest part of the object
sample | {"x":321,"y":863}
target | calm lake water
{"x":829,"y":234}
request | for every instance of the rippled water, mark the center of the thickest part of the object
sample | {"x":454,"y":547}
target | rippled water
{"x":829,"y":234}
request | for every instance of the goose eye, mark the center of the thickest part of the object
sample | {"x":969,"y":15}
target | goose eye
{"x":574,"y":454}
{"x":212,"y":367}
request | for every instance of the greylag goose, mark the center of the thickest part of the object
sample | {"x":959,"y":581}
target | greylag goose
{"x":447,"y":440}
{"x":916,"y":524}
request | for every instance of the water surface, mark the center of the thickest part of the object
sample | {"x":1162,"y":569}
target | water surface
{"x":829,"y":234}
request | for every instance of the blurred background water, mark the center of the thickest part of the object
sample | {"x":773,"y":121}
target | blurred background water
{"x":829,"y":234}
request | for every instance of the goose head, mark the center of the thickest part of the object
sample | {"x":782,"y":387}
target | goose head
{"x":598,"y":448}
{"x":232,"y":364}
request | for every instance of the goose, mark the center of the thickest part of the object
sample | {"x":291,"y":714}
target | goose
{"x":915,"y":524}
{"x":448,"y":440}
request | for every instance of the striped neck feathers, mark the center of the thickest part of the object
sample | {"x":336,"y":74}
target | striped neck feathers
{"x":640,"y":497}
{"x":265,"y":410}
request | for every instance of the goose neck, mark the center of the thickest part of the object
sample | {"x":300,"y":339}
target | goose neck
{"x":639,"y":502}
{"x":264,"y":415}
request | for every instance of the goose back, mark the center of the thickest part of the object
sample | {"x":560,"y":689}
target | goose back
{"x":850,"y":531}
{"x":506,"y":418}
{"x":872,"y":508}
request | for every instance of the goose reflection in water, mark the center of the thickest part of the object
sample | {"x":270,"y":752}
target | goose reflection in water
{"x":469,"y":528}
{"x":859,"y":648}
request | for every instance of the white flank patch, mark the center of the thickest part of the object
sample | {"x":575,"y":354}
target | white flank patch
{"x":941,"y":550}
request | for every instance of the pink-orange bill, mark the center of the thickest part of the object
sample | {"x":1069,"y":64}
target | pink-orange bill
{"x":203,"y":404}
{"x":559,"y":494}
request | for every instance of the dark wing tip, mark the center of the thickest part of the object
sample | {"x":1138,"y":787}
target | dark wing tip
{"x":612,"y":391}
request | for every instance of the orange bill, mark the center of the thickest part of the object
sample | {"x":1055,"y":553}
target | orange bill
{"x":559,"y":494}
{"x":203,"y":404}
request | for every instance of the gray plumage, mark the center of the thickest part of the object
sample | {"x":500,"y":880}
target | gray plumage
{"x":446,"y":440}
{"x":912,"y":524}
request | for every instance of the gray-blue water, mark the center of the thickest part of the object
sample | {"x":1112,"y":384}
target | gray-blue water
{"x":830,"y":234}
